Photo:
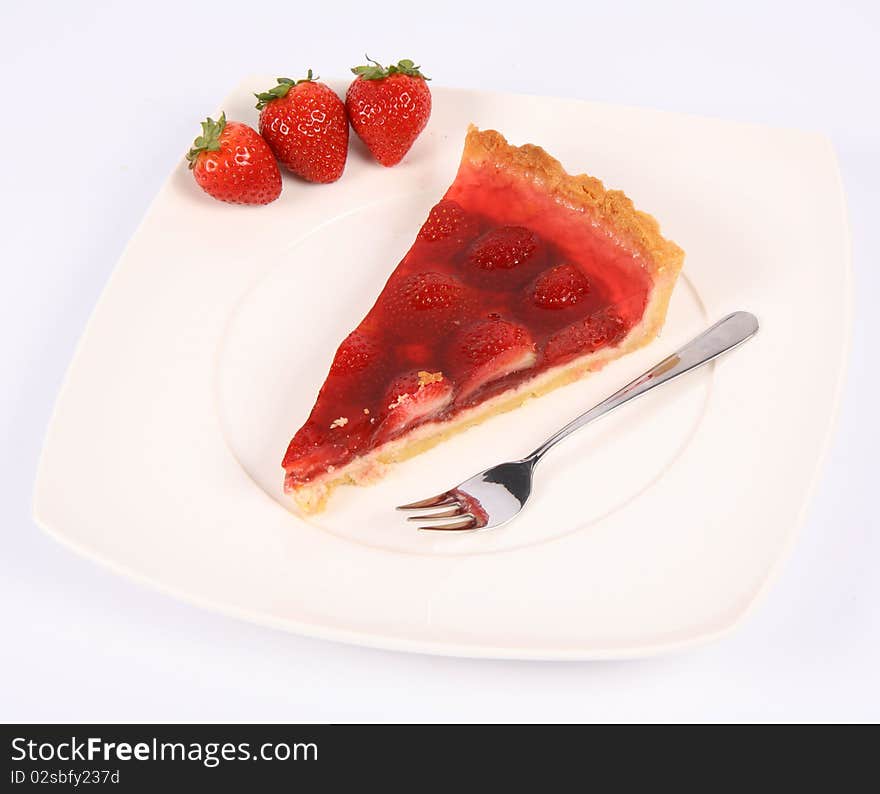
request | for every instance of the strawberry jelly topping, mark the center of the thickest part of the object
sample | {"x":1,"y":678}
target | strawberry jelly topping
{"x":502,"y":283}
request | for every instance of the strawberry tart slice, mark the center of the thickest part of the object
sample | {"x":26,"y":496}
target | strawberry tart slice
{"x":523,"y":278}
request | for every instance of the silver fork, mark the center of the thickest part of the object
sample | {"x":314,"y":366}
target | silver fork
{"x":495,"y":496}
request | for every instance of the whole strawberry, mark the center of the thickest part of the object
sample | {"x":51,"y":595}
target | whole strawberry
{"x":231,"y":162}
{"x":388,"y":108}
{"x":304,"y":123}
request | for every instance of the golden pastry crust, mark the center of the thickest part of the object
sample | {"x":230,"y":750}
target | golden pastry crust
{"x":663,"y":260}
{"x":579,"y":191}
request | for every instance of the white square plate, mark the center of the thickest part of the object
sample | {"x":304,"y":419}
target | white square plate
{"x":656,"y":528}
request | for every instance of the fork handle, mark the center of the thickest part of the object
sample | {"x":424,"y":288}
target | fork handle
{"x":725,"y":335}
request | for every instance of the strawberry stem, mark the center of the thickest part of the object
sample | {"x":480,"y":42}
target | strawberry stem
{"x":375,"y":71}
{"x":209,"y":140}
{"x":280,"y":90}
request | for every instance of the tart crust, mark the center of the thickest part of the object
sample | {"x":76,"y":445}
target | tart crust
{"x":616,"y":213}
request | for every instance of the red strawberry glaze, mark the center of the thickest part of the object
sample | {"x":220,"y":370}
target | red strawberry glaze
{"x":502,"y":283}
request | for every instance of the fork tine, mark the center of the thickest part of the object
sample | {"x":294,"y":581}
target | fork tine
{"x":441,"y":500}
{"x":454,"y":512}
{"x":469,"y":522}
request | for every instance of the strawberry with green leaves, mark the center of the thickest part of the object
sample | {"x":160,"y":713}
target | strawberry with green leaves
{"x":231,"y":162}
{"x":304,"y":123}
{"x":388,"y":108}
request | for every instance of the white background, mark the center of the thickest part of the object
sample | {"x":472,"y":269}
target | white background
{"x":99,"y":102}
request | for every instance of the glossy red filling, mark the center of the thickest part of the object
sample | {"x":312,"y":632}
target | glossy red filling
{"x":502,"y":283}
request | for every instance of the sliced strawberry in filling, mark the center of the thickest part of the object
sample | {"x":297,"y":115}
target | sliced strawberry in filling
{"x":425,"y":303}
{"x":412,"y":399}
{"x":487,"y":351}
{"x":357,"y":353}
{"x":448,"y":225}
{"x":504,"y":257}
{"x":603,"y":329}
{"x":561,"y":287}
